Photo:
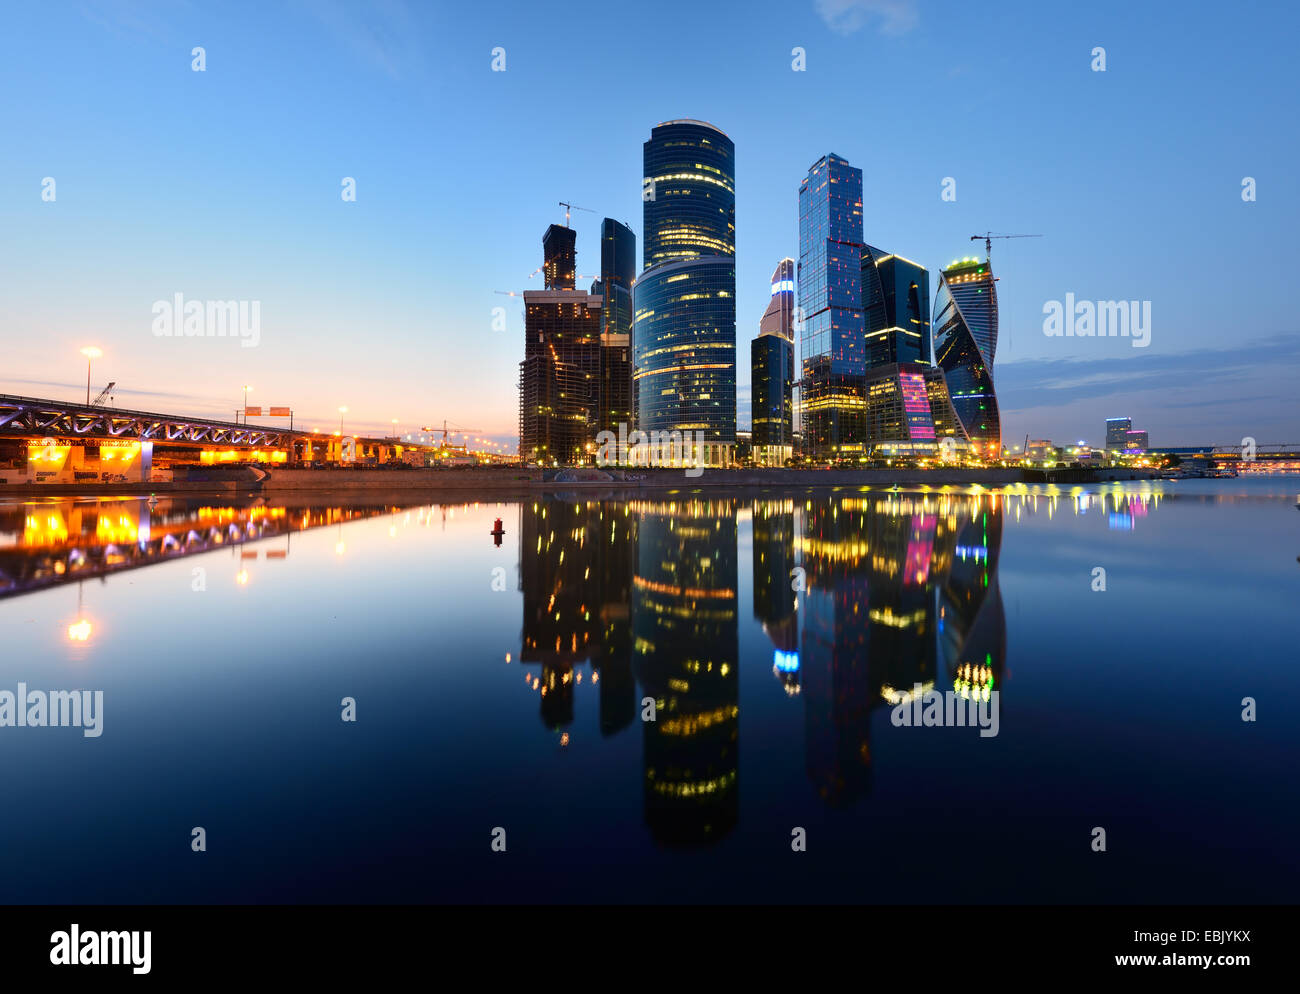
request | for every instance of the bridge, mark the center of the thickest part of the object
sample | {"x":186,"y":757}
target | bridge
{"x":34,"y":417}
{"x":45,"y":441}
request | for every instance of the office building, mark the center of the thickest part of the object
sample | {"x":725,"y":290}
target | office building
{"x":772,"y":373}
{"x":896,"y":300}
{"x":832,"y":327}
{"x":965,"y":344}
{"x":1117,"y":430}
{"x":684,"y":302}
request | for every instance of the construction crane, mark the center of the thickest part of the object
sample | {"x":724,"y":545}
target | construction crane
{"x":103,"y":395}
{"x":568,"y":207}
{"x":444,"y":429}
{"x":988,"y":237}
{"x":510,"y":293}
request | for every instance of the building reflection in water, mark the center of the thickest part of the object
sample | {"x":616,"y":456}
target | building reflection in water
{"x":861,"y":598}
{"x":686,"y":651}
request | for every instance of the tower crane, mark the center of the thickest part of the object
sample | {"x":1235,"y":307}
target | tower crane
{"x":103,"y":395}
{"x":568,"y":207}
{"x":444,"y":429}
{"x":988,"y":237}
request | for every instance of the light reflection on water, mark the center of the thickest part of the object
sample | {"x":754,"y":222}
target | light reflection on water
{"x":772,"y":633}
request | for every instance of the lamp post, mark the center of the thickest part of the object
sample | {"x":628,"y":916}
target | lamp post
{"x":246,"y":389}
{"x":395,"y":434}
{"x":90,"y":352}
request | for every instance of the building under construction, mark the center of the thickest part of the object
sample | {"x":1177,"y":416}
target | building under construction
{"x":575,"y":377}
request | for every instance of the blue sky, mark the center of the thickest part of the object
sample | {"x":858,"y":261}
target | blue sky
{"x":225,"y":184}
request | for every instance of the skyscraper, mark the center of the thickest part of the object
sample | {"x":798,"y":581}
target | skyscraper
{"x":617,"y":272}
{"x":896,"y":298}
{"x":560,"y":373}
{"x":684,"y":303}
{"x":832,"y":332}
{"x":771,"y":357}
{"x":965,"y":343}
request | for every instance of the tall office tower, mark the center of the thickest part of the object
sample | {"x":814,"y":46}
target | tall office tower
{"x":684,"y":302}
{"x":832,"y":333}
{"x":771,"y":357}
{"x":1136,"y":442}
{"x":896,"y":298}
{"x":1117,"y":430}
{"x":965,"y":343}
{"x":560,"y":257}
{"x":561,"y":369}
{"x":617,"y":273}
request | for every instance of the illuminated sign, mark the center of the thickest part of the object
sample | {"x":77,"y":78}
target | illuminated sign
{"x":782,"y":286}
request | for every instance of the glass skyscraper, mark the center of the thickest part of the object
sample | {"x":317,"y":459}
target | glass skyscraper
{"x":689,"y":192}
{"x":771,"y":357}
{"x":896,"y":297}
{"x":965,"y":343}
{"x":684,"y":303}
{"x":617,"y":272}
{"x":832,"y":332}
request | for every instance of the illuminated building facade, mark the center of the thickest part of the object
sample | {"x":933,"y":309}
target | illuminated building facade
{"x":561,"y":372}
{"x":896,"y":298}
{"x":689,"y":199}
{"x":771,"y":357}
{"x":898,"y":408}
{"x":965,"y":344}
{"x":1136,"y":441}
{"x":832,"y":329}
{"x":684,"y":352}
{"x":684,"y":303}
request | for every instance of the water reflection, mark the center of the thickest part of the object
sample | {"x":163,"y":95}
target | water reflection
{"x":46,"y":543}
{"x":861,"y":598}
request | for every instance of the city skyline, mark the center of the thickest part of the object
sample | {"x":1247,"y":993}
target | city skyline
{"x":351,"y":303}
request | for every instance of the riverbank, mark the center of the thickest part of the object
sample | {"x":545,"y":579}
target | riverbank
{"x":288,"y":480}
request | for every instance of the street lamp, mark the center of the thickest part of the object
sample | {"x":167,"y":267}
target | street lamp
{"x":90,"y":352}
{"x":395,"y":432}
{"x":246,"y":389}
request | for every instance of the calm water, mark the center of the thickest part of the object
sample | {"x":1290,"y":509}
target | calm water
{"x":502,"y":686}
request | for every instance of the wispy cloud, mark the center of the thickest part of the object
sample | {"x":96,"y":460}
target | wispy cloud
{"x":895,"y":17}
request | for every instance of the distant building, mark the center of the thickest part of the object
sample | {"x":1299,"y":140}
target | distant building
{"x":561,"y":370}
{"x":1040,"y":450}
{"x":832,"y":326}
{"x":965,"y":344}
{"x":684,"y":302}
{"x":1135,"y":442}
{"x":1117,"y":430}
{"x":772,"y":373}
{"x":896,"y":299}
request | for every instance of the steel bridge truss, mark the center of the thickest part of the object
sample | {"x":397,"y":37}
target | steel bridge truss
{"x":27,"y":416}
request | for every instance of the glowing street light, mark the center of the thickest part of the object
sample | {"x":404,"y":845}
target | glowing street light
{"x":246,"y":389}
{"x":90,"y":352}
